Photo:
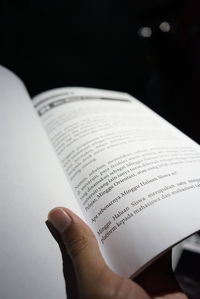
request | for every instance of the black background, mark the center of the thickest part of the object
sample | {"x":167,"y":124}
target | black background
{"x":96,"y":44}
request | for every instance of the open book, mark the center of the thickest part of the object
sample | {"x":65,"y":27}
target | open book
{"x":129,"y":174}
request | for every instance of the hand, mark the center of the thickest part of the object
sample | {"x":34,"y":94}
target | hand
{"x":90,"y":278}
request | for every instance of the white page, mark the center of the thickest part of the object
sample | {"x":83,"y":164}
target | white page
{"x":135,"y":176}
{"x":31,"y":183}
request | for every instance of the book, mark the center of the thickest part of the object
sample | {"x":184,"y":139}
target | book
{"x":129,"y":174}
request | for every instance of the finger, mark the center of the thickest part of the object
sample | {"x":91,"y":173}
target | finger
{"x":83,"y":248}
{"x":95,"y":279}
{"x":68,"y":268}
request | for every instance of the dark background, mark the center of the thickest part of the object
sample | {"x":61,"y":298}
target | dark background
{"x":96,"y":44}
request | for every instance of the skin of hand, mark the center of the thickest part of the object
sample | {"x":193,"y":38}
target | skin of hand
{"x":88,"y":277}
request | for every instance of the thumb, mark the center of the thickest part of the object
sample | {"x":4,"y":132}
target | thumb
{"x":81,"y":245}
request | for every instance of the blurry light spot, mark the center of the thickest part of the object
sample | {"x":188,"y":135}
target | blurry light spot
{"x":165,"y":27}
{"x":145,"y":32}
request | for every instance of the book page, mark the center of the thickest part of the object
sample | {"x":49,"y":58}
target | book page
{"x":32,"y":182}
{"x":135,"y":176}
